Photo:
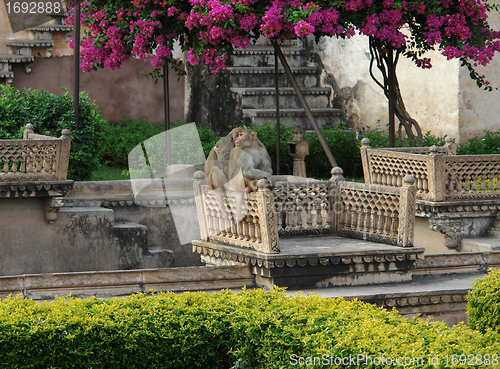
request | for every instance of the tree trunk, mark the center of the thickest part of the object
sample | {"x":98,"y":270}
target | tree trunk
{"x":380,"y":55}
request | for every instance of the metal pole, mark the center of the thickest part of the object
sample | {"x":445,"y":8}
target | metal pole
{"x":76,"y":52}
{"x":278,"y":123}
{"x":166,"y":109}
{"x":303,"y":101}
{"x":392,"y":97}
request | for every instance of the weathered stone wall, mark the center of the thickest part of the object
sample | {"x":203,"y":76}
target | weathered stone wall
{"x":124,"y":91}
{"x":81,"y":239}
{"x":430,"y":95}
{"x":443,"y":99}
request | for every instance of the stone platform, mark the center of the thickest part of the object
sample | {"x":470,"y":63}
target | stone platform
{"x":318,"y":261}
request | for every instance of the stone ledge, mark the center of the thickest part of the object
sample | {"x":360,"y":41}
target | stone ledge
{"x":121,"y":283}
{"x":318,"y":261}
{"x":35,"y":189}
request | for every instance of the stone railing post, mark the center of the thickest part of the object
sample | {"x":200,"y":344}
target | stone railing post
{"x":267,"y":217}
{"x":435,"y":175}
{"x":407,"y":212}
{"x":29,"y":130}
{"x":62,"y":168}
{"x":365,"y":146}
{"x":199,"y":181}
{"x":337,"y":206}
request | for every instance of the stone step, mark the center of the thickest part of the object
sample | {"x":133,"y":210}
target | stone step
{"x":443,"y":298}
{"x":265,"y":98}
{"x":136,"y":253}
{"x":263,"y":56}
{"x":240,"y":77}
{"x":324,"y":117}
{"x":480,"y":244}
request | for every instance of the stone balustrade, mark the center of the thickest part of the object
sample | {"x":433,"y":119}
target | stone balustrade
{"x":371,"y":212}
{"x":440,"y":174}
{"x":36,"y":167}
{"x":35,"y":158}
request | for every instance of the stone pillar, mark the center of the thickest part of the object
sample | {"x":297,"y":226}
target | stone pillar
{"x":298,"y":148}
{"x":407,"y":212}
{"x":435,"y":175}
{"x":365,"y":146}
{"x":267,"y":218}
{"x":199,"y":181}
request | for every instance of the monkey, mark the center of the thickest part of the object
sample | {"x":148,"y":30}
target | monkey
{"x":236,"y":162}
{"x":217,"y":163}
{"x":250,"y":157}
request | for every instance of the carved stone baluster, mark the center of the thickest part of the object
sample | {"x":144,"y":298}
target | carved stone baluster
{"x":491,"y":183}
{"x":6,"y":162}
{"x":474,"y":178}
{"x":246,"y":231}
{"x":484,"y":178}
{"x":14,"y":164}
{"x":310,"y":212}
{"x":22,"y":169}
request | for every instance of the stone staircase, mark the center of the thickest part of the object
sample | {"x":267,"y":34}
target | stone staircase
{"x":40,"y":41}
{"x":253,"y":79}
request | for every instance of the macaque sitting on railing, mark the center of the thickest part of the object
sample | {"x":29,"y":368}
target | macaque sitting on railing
{"x":240,"y":159}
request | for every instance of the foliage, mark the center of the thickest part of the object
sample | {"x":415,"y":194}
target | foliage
{"x":115,"y":141}
{"x":344,"y":147}
{"x":483,"y":301}
{"x":380,"y":138}
{"x":210,"y":29}
{"x":248,"y":329}
{"x":488,"y":144}
{"x":50,"y":114}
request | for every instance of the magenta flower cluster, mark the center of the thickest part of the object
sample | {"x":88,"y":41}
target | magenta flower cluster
{"x":209,"y":30}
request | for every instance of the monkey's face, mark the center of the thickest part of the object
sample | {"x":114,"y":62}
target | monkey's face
{"x":244,"y":137}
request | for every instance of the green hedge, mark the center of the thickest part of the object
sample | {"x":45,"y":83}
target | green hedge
{"x":50,"y":114}
{"x":250,"y":329}
{"x":483,"y":303}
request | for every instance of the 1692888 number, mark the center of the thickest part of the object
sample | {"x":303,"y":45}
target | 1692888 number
{"x":33,"y":7}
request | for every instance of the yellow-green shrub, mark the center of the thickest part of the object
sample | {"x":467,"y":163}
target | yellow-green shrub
{"x":483,"y":303}
{"x":250,"y":329}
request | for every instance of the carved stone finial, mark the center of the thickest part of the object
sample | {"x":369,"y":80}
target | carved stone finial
{"x":433,"y":149}
{"x":337,"y":174}
{"x":365,"y":142}
{"x":65,"y":134}
{"x":29,"y":129}
{"x":199,"y":175}
{"x":297,"y":133}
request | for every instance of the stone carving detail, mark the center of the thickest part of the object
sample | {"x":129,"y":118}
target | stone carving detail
{"x":304,"y":207}
{"x":375,"y":212}
{"x":440,"y":175}
{"x":34,"y":158}
{"x":379,"y":213}
{"x":383,"y":262}
{"x":257,"y":228}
